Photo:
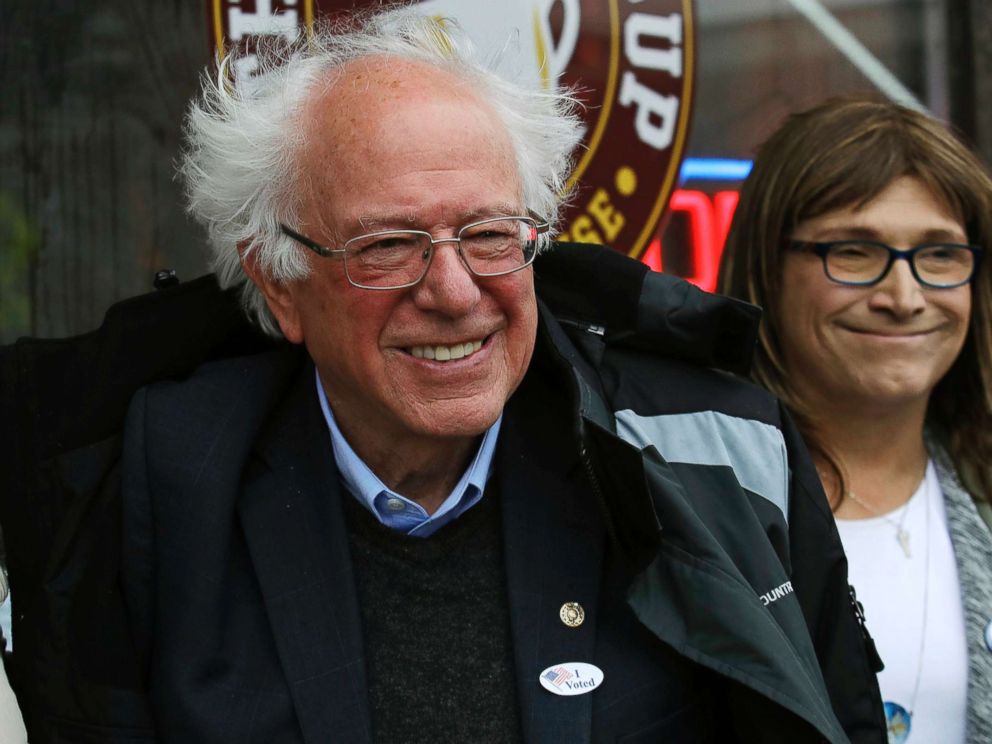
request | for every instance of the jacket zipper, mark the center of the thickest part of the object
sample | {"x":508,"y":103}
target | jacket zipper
{"x":596,"y":487}
{"x":859,"y":612}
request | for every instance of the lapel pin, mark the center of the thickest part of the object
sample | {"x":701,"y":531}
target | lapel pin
{"x":572,"y":614}
{"x":571,"y":678}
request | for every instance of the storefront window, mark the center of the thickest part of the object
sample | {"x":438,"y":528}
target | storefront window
{"x":760,"y":60}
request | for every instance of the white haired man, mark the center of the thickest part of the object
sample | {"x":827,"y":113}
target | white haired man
{"x":447,"y":510}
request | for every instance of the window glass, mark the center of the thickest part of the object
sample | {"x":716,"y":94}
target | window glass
{"x":760,"y":60}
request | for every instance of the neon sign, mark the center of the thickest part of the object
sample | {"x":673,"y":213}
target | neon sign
{"x":707,"y":216}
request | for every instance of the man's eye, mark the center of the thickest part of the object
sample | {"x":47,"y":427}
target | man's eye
{"x":388,"y":243}
{"x":492,"y":234}
{"x":852,"y":251}
{"x":492,"y":230}
{"x":940,"y":253}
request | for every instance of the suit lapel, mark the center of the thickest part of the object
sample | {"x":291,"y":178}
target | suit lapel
{"x":294,"y":526}
{"x":553,"y":554}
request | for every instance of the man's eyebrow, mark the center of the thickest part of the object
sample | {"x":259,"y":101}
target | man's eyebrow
{"x":864,"y":232}
{"x":944,"y":236}
{"x":385,"y":221}
{"x":502,"y":209}
{"x":847,"y":232}
{"x":381,"y":221}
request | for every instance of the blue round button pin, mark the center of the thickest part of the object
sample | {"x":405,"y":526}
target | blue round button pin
{"x":988,"y":636}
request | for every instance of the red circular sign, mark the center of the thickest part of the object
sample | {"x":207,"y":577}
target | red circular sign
{"x":632,"y":62}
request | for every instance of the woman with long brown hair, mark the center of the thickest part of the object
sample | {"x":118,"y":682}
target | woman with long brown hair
{"x":863,"y":231}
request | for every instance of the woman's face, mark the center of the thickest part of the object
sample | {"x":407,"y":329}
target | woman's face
{"x":866,"y":348}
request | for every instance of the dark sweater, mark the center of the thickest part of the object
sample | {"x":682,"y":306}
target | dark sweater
{"x":438,"y":648}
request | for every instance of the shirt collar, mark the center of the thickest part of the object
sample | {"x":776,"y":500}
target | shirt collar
{"x":393,"y":509}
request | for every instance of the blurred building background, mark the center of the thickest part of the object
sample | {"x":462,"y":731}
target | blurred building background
{"x":93,"y":95}
{"x":760,"y":60}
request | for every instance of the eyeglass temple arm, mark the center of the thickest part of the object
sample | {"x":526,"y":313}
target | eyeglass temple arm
{"x":304,"y":240}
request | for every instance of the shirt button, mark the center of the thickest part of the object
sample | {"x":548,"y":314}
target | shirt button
{"x":395,"y":505}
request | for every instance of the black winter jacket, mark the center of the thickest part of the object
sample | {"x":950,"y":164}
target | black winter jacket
{"x":713,"y":499}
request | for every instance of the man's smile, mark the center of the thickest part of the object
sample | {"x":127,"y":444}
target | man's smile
{"x":891,"y":334}
{"x":444,"y":353}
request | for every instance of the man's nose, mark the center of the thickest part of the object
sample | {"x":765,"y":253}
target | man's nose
{"x":899,"y":292}
{"x":448,"y":286}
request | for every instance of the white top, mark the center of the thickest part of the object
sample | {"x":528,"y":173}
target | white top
{"x":11,"y":724}
{"x":893,"y":590}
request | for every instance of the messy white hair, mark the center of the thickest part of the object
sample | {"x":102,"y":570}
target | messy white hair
{"x":246,"y":143}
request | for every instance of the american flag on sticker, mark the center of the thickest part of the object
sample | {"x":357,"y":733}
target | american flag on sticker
{"x":557,"y":675}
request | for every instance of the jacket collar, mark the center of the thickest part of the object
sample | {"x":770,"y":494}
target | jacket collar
{"x":596,"y":288}
{"x":294,"y":527}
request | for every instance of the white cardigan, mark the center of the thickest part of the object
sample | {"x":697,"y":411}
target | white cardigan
{"x":11,"y":723}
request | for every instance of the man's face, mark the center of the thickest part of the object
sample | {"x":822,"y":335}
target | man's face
{"x":402,"y":146}
{"x":885,"y":345}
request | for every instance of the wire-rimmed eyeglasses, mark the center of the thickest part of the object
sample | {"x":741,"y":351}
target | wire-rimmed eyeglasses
{"x":862,"y":263}
{"x":397,"y":259}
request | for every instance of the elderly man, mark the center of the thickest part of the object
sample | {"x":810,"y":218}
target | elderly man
{"x":455,"y":506}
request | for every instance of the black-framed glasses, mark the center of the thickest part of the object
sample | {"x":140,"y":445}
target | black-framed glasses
{"x":397,"y":259}
{"x":862,"y":263}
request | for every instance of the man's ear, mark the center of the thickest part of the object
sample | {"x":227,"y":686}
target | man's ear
{"x":279,"y":296}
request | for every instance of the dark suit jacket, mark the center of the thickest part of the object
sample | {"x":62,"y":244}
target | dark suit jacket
{"x":240,"y":588}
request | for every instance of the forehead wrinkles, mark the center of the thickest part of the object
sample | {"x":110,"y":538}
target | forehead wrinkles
{"x":351,"y":121}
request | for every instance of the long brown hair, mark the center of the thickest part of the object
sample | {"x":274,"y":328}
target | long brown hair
{"x":843,"y":153}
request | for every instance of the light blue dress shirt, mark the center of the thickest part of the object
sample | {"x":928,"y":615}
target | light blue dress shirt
{"x":395,"y":510}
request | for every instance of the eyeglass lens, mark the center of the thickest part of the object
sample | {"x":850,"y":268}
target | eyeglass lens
{"x":396,"y":259}
{"x":865,"y":263}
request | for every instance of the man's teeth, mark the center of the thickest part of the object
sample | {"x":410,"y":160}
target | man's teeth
{"x":446,"y":353}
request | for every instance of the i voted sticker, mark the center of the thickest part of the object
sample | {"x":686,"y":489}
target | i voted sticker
{"x":571,"y":678}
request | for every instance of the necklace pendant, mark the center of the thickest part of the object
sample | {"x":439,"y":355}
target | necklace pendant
{"x":899,"y":722}
{"x":903,"y":537}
